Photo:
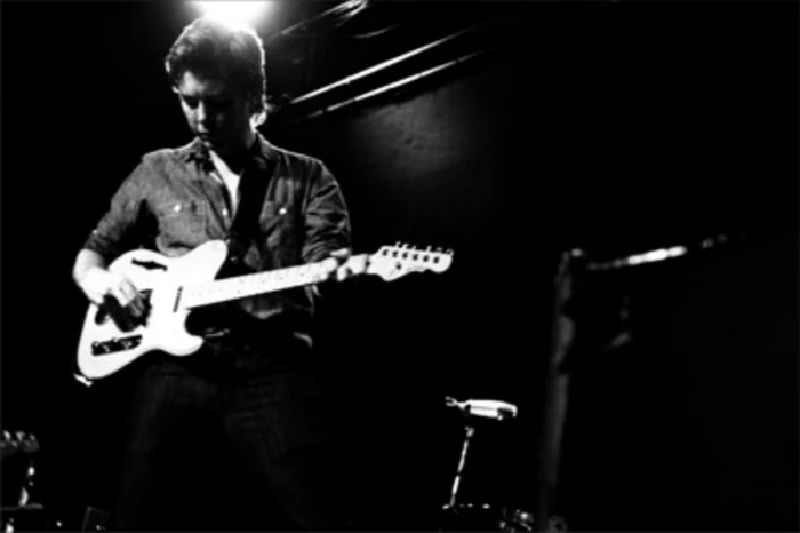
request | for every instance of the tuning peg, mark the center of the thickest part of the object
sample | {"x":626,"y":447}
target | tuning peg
{"x":450,"y":251}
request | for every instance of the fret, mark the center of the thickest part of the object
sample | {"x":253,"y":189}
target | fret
{"x":224,"y":290}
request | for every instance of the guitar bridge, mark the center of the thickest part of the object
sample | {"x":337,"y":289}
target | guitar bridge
{"x":118,"y":344}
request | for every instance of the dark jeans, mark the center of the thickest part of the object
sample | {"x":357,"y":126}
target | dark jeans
{"x":195,"y":421}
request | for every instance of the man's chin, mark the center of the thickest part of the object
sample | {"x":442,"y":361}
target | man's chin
{"x":215,"y":143}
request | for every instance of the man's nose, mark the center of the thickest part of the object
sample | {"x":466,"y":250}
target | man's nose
{"x":202,"y":112}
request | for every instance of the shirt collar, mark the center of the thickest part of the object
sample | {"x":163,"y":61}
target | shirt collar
{"x":197,"y":151}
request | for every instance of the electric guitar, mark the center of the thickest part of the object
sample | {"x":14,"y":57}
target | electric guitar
{"x":172,"y":287}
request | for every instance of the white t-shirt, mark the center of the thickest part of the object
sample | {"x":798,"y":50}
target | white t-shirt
{"x":229,"y":178}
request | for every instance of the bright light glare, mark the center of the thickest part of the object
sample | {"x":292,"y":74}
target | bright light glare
{"x":234,"y":13}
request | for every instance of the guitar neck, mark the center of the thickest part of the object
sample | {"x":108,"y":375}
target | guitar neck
{"x":389,"y":263}
{"x":229,"y":289}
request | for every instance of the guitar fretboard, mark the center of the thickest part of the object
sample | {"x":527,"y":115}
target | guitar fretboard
{"x":228,"y":289}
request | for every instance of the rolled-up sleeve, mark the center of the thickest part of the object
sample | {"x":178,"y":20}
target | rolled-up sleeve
{"x":327,"y":219}
{"x":123,"y":226}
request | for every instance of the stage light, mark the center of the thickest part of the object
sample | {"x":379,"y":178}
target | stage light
{"x":246,"y":13}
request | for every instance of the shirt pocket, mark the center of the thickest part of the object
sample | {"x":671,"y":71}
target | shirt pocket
{"x":280,"y":227}
{"x":278,"y":221}
{"x":182,"y":222}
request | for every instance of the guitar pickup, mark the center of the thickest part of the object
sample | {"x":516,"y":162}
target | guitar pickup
{"x":118,"y":344}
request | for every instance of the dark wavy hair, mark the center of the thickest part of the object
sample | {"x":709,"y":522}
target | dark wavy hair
{"x":216,"y":50}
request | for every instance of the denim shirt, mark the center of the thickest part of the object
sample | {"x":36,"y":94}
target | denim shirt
{"x":171,"y":203}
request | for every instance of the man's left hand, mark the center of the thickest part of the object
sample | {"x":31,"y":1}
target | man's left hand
{"x":337,"y":266}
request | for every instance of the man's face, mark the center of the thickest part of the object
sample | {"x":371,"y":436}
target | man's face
{"x":215,"y":112}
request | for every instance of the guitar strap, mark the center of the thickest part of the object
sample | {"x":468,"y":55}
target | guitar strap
{"x":218,"y":320}
{"x":256,"y":175}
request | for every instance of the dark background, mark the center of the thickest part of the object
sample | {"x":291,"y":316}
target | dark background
{"x":614,"y":127}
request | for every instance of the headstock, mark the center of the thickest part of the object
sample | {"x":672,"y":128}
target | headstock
{"x":17,"y":442}
{"x":393,"y":262}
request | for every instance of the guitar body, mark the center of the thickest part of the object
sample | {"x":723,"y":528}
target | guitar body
{"x":106,"y":346}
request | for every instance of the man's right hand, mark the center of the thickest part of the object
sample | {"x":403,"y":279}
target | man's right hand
{"x":98,"y":283}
